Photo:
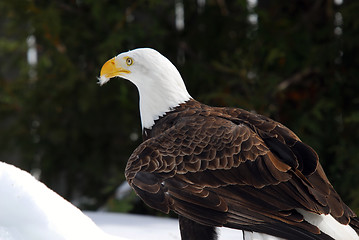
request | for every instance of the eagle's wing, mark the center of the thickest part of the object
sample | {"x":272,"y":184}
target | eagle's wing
{"x":220,"y":171}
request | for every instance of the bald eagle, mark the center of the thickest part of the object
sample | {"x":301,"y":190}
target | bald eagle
{"x":224,"y":167}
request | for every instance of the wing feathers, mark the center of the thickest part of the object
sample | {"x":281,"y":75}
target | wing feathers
{"x":282,"y":151}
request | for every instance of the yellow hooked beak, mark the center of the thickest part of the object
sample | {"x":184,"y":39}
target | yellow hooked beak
{"x":110,"y":70}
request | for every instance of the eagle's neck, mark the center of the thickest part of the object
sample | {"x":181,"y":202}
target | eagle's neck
{"x":158,"y":100}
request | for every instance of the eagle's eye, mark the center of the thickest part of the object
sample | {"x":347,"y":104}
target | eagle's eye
{"x":129,"y":61}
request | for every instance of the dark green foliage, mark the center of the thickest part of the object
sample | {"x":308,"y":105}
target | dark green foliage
{"x":290,"y":66}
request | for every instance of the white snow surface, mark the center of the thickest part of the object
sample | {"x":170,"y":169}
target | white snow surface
{"x":134,"y":226}
{"x":31,"y":211}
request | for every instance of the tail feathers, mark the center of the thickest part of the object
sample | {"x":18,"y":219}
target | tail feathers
{"x":354,"y":223}
{"x":277,"y":230}
{"x":328,"y":225}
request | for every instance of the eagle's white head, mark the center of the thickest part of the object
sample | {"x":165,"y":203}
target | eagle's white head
{"x":158,"y":81}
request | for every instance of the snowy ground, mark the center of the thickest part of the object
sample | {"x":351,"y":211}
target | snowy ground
{"x":133,"y":226}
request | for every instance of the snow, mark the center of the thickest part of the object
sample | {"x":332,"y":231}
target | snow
{"x":136,"y":226}
{"x":29,"y":210}
{"x":147,"y":227}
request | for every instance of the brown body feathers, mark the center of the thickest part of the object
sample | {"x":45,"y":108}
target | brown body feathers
{"x":229,"y":167}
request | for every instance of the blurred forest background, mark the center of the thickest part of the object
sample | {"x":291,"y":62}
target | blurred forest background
{"x":294,"y":61}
